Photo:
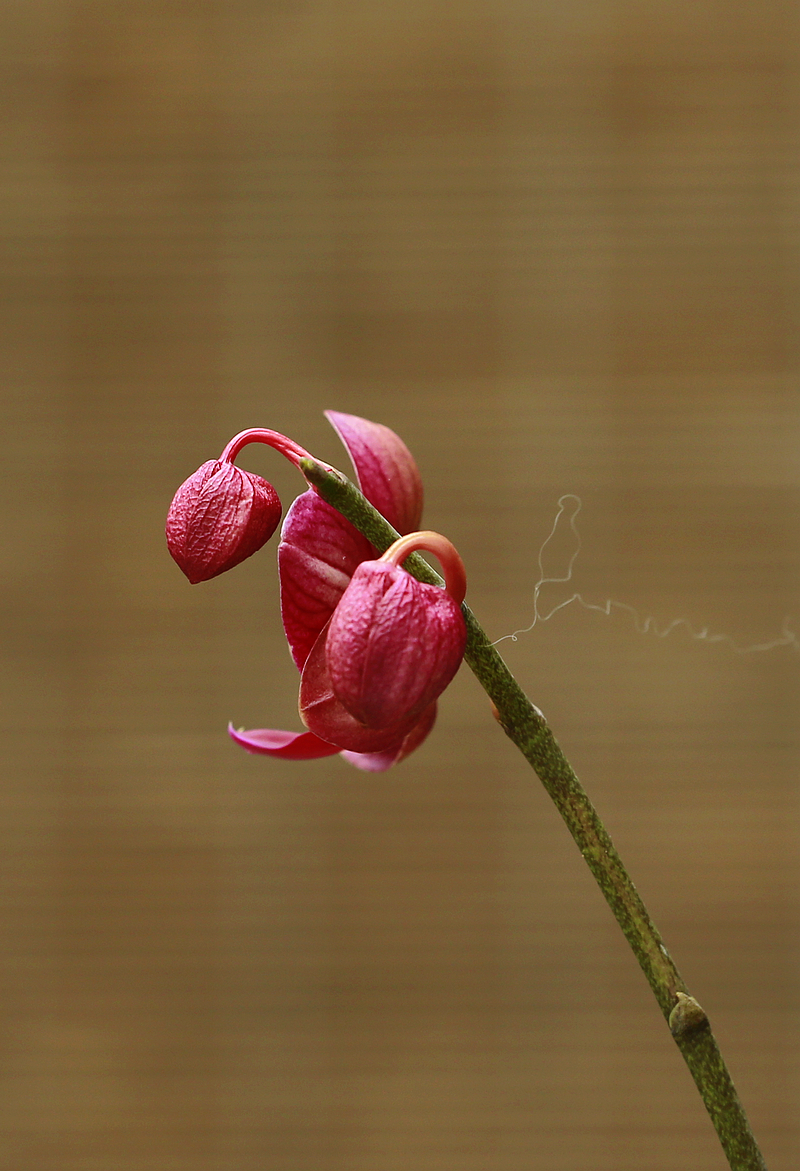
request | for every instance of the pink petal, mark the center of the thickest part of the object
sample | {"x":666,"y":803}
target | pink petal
{"x":326,"y":717}
{"x":320,"y":550}
{"x":378,"y":762}
{"x":318,"y":554}
{"x":284,"y":745}
{"x":385,"y":469}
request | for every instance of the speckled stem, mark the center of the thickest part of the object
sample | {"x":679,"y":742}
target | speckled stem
{"x":525,"y":725}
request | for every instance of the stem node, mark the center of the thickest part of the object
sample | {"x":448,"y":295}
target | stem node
{"x":687,"y":1016}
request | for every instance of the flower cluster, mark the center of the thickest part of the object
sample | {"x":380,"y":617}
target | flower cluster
{"x":375,"y":647}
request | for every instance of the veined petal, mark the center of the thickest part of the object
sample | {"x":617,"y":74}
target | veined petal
{"x":285,"y":745}
{"x":325,"y":716}
{"x":218,"y":517}
{"x":320,"y":550}
{"x":385,"y":469}
{"x":318,"y":554}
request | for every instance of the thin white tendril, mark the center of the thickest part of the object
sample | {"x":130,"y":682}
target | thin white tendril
{"x":646,"y":625}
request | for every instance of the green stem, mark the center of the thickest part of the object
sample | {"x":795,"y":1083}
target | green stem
{"x":525,"y":725}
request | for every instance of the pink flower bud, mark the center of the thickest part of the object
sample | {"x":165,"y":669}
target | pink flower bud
{"x":219,"y":517}
{"x":394,"y":643}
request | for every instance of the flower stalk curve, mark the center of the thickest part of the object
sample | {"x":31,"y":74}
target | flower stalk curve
{"x":455,"y":576}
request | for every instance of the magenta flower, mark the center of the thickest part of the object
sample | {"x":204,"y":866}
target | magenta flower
{"x":393,"y":643}
{"x":370,"y":683}
{"x":221,"y":514}
{"x":218,"y":517}
{"x":375,"y":647}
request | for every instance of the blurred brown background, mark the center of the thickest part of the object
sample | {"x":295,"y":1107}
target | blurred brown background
{"x":555,"y":246}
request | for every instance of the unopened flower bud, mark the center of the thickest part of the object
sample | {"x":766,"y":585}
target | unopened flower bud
{"x":219,"y":517}
{"x":394,"y":643}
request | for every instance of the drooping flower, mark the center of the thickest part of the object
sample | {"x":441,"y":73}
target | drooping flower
{"x":375,"y":647}
{"x":370,"y":684}
{"x":218,"y":517}
{"x":395,"y":643}
{"x":221,"y":515}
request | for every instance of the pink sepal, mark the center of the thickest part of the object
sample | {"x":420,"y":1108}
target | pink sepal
{"x":385,"y":469}
{"x":325,"y":716}
{"x":320,"y":550}
{"x":284,"y":745}
{"x":318,"y":554}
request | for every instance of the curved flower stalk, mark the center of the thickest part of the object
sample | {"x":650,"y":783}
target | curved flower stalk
{"x":374,"y":646}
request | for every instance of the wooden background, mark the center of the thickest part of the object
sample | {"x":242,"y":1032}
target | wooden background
{"x":555,"y":246}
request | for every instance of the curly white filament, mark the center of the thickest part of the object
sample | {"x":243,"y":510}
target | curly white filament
{"x":646,"y":625}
